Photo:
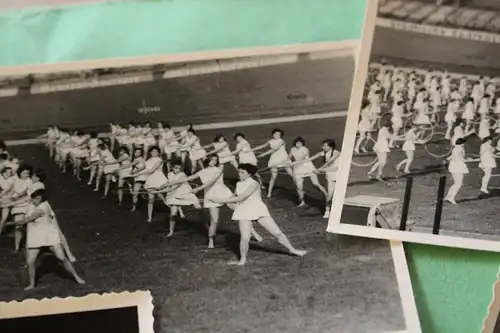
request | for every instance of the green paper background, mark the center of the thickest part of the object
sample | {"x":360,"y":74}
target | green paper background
{"x":453,"y":287}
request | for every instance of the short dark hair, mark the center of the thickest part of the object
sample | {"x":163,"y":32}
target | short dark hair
{"x":250,"y":168}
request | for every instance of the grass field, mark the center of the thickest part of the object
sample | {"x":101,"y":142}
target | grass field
{"x":474,"y":213}
{"x":343,"y":285}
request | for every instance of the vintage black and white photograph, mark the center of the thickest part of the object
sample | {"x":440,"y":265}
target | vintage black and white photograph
{"x":121,"y":313}
{"x":207,"y":182}
{"x":424,"y":141}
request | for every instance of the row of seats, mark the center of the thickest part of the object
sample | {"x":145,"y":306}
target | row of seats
{"x":450,"y":16}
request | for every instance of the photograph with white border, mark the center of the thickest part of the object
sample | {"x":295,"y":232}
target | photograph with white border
{"x":422,"y":140}
{"x":191,"y":176}
{"x":127,"y":312}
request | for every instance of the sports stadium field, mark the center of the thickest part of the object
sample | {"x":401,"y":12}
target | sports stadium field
{"x":343,"y":285}
{"x":475,"y":215}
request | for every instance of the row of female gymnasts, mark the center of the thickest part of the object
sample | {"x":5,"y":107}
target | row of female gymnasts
{"x":175,"y":189}
{"x":24,"y":206}
{"x":459,"y":122}
{"x":143,"y":170}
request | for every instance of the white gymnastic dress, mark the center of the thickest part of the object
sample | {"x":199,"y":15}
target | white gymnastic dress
{"x":218,"y":190}
{"x":123,"y":137}
{"x":365,"y":124}
{"x":6,"y":183}
{"x":94,"y":153}
{"x":252,"y":208}
{"x":157,"y":178}
{"x":43,"y":231}
{"x":69,"y":146}
{"x":138,"y":138}
{"x":445,"y":87}
{"x":476,"y":94}
{"x":304,"y":169}
{"x":160,"y":132}
{"x":149,"y":139}
{"x":451,"y":113}
{"x":246,"y":155}
{"x":51,"y":136}
{"x":484,"y":106}
{"x":224,"y":152}
{"x":409,"y":143}
{"x":457,"y":161}
{"x":182,"y":195}
{"x":484,"y":128}
{"x":139,"y":167}
{"x":412,"y":90}
{"x":383,"y":138}
{"x":107,"y":157}
{"x":419,"y":100}
{"x":183,"y":137}
{"x":171,"y":144}
{"x":487,"y":157}
{"x":469,"y":111}
{"x":280,"y":156}
{"x":422,"y":118}
{"x":497,"y":107}
{"x":462,"y":87}
{"x":427,"y":80}
{"x":387,"y":81}
{"x":331,"y":170}
{"x":125,"y":173}
{"x":196,"y":152}
{"x":21,"y":187}
{"x":436,"y":101}
{"x":397,"y":116}
{"x":79,"y":151}
{"x":375,"y":106}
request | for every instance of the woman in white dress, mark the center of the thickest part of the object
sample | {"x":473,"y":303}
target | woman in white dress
{"x":386,"y":85}
{"x":382,"y":150}
{"x":196,"y":152}
{"x":410,"y":139}
{"x":38,"y":179}
{"x":178,"y":195}
{"x":422,"y":116}
{"x":484,"y":127}
{"x":65,"y":147}
{"x":245,"y":154}
{"x":124,"y":172}
{"x":181,"y":138}
{"x":459,"y":131}
{"x":107,"y":169}
{"x":469,"y":114}
{"x":457,"y":168}
{"x":20,"y":188}
{"x":220,"y":147}
{"x":487,"y":162}
{"x":138,"y":164}
{"x":451,"y":117}
{"x":484,"y":106}
{"x":397,"y":112}
{"x":171,"y":143}
{"x":93,"y":157}
{"x":278,"y":157}
{"x":42,"y":232}
{"x":436,"y":103}
{"x":251,"y":208}
{"x":330,"y":167}
{"x":212,"y":179}
{"x":78,"y":153}
{"x":463,"y":86}
{"x":112,"y":135}
{"x":476,"y":94}
{"x":154,"y":177}
{"x":7,"y":180}
{"x":51,"y":136}
{"x":159,"y":133}
{"x":365,"y":126}
{"x":303,"y":168}
{"x":446,"y":88}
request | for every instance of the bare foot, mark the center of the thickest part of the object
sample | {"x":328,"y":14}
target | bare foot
{"x":301,"y":204}
{"x":211,"y":244}
{"x":133,"y":209}
{"x":31,"y":286}
{"x":170,"y":234}
{"x":257,"y":237}
{"x":79,"y":280}
{"x":236,"y":263}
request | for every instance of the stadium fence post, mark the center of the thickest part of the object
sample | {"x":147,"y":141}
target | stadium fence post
{"x":439,"y":205}
{"x":406,"y":203}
